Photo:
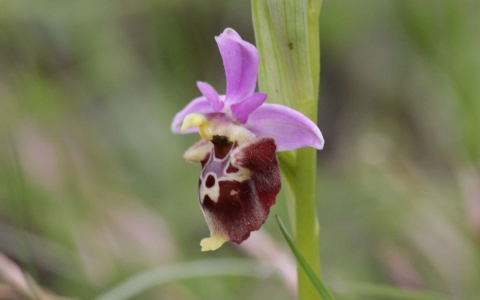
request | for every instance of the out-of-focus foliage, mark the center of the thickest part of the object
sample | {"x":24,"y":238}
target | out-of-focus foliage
{"x":93,"y":187}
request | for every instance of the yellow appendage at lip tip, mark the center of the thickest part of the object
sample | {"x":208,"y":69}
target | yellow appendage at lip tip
{"x":212,"y":243}
{"x":197,"y":120}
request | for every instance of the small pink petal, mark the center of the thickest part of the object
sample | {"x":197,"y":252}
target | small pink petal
{"x":209,"y":92}
{"x":241,"y":110}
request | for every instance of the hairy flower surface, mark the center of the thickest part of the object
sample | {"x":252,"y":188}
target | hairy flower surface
{"x":240,"y":177}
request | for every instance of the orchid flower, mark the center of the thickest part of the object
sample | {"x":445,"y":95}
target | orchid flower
{"x":240,"y":176}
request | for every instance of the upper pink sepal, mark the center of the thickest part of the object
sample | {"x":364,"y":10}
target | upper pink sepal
{"x":240,"y":60}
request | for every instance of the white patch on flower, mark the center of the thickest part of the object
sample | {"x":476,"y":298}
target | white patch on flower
{"x":213,"y":192}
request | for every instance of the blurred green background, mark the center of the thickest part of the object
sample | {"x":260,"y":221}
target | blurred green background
{"x":94,"y":190}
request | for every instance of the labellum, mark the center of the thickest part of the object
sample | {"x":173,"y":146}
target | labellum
{"x":237,"y":186}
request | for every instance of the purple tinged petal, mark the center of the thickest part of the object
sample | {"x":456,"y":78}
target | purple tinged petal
{"x":209,"y":92}
{"x":290,"y":128}
{"x":240,"y":60}
{"x":241,"y":110}
{"x":200,"y":105}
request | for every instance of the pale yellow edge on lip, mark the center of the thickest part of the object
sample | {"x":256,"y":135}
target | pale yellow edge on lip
{"x":212,"y":243}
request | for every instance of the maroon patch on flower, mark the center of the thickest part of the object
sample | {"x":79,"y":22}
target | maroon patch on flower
{"x":222,"y":146}
{"x":259,"y":157}
{"x":237,"y":211}
{"x":231,"y":169}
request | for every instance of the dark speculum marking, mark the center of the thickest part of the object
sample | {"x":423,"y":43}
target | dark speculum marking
{"x":210,"y":181}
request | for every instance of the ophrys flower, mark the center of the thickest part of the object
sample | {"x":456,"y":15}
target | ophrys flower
{"x":240,"y":177}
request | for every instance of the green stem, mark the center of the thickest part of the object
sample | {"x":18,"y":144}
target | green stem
{"x":307,"y":226}
{"x":287,"y":37}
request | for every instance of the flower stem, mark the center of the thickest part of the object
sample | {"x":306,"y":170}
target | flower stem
{"x":307,"y":226}
{"x":288,"y":40}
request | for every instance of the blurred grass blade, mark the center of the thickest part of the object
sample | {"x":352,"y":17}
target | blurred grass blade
{"x":387,"y":292}
{"x":321,"y":288}
{"x":214,"y":267}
